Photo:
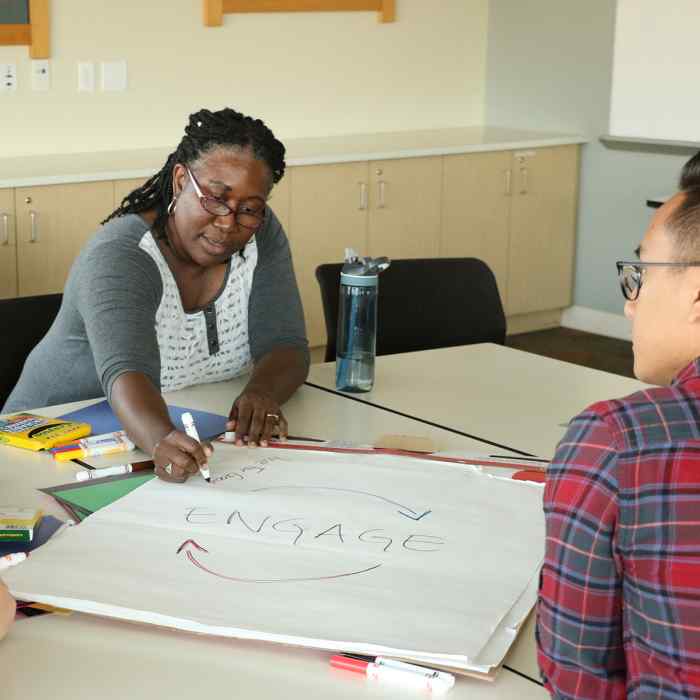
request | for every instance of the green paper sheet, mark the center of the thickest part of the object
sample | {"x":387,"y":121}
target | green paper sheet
{"x":91,"y":497}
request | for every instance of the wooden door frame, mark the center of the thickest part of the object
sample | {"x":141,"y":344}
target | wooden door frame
{"x":214,"y":10}
{"x":35,"y":34}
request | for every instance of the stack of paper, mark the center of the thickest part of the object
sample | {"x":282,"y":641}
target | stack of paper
{"x":371,"y":554}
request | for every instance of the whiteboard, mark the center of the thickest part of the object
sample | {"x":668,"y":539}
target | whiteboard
{"x":656,"y":68}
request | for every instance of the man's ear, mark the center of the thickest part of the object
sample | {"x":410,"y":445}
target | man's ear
{"x":695,"y":301}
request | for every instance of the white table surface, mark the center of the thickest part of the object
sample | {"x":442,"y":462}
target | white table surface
{"x":507,"y":396}
{"x":80,"y":657}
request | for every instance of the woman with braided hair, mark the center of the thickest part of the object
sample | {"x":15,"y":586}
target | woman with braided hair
{"x":189,"y":281}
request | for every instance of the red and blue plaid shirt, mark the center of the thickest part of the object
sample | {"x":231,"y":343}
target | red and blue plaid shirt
{"x":619,"y":603}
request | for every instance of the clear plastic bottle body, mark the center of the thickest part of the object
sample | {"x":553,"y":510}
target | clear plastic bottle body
{"x":357,"y":335}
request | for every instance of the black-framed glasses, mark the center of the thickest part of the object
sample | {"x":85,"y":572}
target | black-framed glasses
{"x":630,"y":274}
{"x":244,"y":215}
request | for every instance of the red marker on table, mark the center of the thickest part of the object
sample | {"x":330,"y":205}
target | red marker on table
{"x":399,"y":673}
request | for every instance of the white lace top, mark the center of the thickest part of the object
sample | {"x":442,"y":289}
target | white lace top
{"x":210,"y":344}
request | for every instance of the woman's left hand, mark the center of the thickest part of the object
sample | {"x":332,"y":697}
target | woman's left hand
{"x":256,"y":417}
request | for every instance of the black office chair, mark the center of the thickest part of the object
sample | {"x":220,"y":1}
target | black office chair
{"x":424,"y":303}
{"x":25,"y":321}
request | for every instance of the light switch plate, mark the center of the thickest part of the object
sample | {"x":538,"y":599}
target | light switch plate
{"x":113,"y":76}
{"x":41,"y":79}
{"x":86,"y":76}
{"x":8,"y":77}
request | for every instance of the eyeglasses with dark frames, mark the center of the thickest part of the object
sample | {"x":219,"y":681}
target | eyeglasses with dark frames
{"x":630,"y":274}
{"x":244,"y":216}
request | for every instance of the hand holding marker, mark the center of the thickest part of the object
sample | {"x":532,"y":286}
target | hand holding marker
{"x":191,"y":430}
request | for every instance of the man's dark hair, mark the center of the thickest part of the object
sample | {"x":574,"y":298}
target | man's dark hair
{"x":684,"y":222}
{"x":205,"y":131}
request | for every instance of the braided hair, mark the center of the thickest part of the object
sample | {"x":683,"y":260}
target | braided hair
{"x":206,"y":130}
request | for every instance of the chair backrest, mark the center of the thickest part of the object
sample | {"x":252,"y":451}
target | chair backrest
{"x":24,"y":322}
{"x":424,"y":303}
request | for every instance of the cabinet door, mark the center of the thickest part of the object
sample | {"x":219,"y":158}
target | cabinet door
{"x":542,"y":229}
{"x":405,"y":205}
{"x":53,"y":223}
{"x":123,"y":188}
{"x":279,"y":200}
{"x":8,"y":249}
{"x":476,"y":198}
{"x":328,"y":214}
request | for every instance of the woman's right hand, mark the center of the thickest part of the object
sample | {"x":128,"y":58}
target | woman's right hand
{"x":7,"y":609}
{"x":177,"y":456}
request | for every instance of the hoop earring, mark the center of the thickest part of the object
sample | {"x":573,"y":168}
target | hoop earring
{"x":171,"y":206}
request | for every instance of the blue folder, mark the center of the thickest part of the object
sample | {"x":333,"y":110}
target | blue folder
{"x":102,"y":419}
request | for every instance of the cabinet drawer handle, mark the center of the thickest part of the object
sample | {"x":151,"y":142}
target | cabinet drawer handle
{"x":363,"y":196}
{"x":382,"y":188}
{"x":5,"y":229}
{"x":509,"y":182}
{"x":34,"y":233}
{"x":523,"y":181}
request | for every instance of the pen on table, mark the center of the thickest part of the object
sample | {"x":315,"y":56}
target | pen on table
{"x":191,"y":430}
{"x":114,"y":471}
{"x":382,"y":669}
{"x":11,"y":559}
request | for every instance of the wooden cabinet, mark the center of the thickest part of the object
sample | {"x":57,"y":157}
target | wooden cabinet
{"x":404,"y":207}
{"x":121,"y":189}
{"x":380,"y":208}
{"x":542,"y":229}
{"x":476,"y":194}
{"x":53,"y":223}
{"x":8,"y":249}
{"x":279,"y":200}
{"x":514,"y":209}
{"x":329,"y":206}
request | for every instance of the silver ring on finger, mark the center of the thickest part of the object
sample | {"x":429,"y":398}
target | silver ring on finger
{"x":274,"y":417}
{"x":168,"y":469}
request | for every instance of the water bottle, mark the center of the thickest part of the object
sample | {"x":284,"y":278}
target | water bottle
{"x":357,"y":322}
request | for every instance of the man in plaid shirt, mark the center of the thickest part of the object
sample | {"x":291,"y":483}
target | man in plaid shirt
{"x":618,"y":614}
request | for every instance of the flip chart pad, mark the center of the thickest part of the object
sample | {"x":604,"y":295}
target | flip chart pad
{"x":366,"y":553}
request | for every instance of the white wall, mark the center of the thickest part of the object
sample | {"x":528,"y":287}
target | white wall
{"x":656,"y":45}
{"x":305,"y":74}
{"x":550,"y":67}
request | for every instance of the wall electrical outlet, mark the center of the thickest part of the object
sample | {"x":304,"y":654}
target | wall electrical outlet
{"x":8,"y":77}
{"x":86,"y":76}
{"x":41,"y":80}
{"x":114,"y":76}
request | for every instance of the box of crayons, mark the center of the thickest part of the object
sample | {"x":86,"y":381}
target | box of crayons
{"x":38,"y":432}
{"x":17,"y":524}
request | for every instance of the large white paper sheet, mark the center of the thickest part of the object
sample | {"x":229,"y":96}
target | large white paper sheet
{"x":379,"y":554}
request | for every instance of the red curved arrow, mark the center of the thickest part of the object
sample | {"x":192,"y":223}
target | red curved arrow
{"x":187,"y":544}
